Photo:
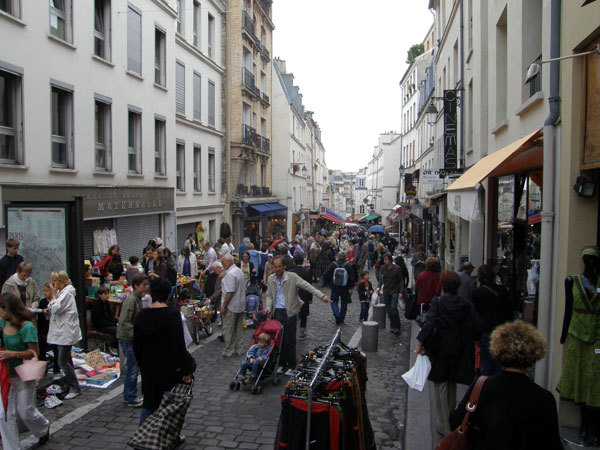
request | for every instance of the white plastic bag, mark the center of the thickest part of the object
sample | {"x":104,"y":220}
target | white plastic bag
{"x":416,"y":377}
{"x":375,"y":298}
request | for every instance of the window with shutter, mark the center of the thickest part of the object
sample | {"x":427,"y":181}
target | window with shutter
{"x":211,"y":103}
{"x":197,"y":168}
{"x":197,"y":96}
{"x":134,"y":40}
{"x":180,"y":88}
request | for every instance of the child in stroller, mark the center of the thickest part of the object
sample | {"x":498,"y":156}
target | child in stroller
{"x":273,"y":329}
{"x":256,"y":357}
{"x":253,"y":299}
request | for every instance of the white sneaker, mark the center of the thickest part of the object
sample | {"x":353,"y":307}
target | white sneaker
{"x":58,"y":376}
{"x":72,"y":395}
{"x":52,"y":401}
{"x":289,"y":372}
{"x":54,"y":389}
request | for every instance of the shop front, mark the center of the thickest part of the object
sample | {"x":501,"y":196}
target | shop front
{"x":508,"y":182}
{"x":263,"y":218}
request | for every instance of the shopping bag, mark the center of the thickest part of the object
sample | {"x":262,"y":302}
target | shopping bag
{"x":375,"y":298}
{"x":412,"y":308}
{"x":416,"y":377}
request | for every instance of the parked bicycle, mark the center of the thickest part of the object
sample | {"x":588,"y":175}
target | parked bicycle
{"x":202,"y":321}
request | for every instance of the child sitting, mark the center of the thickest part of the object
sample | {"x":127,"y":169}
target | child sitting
{"x":103,"y":319}
{"x":256,"y":357}
{"x":365,"y":291}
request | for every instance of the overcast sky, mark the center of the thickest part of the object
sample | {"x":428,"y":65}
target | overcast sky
{"x":347,"y":57}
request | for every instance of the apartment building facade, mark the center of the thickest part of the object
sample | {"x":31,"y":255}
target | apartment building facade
{"x":247,"y":164}
{"x":198,"y":59}
{"x":85,"y":127}
{"x":382,"y":174}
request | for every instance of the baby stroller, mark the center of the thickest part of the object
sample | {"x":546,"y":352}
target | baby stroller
{"x":274,"y":329}
{"x":253,"y":300}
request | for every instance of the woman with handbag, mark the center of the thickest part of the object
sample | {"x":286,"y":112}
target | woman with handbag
{"x":448,"y":337}
{"x":20,"y":341}
{"x":512,"y":411}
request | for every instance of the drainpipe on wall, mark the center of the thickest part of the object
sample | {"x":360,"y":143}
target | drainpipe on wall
{"x":547,"y":294}
{"x":461,"y":153}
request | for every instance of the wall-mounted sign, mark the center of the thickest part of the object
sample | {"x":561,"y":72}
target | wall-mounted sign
{"x":430,"y":176}
{"x":409,"y":188}
{"x":450,"y":130}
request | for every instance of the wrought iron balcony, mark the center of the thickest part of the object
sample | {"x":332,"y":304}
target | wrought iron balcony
{"x":264,"y":98}
{"x":249,"y":82}
{"x":242,"y":190}
{"x":248,"y":135}
{"x":248,"y":26}
{"x":255,"y":191}
{"x":265,"y":145}
{"x":265,"y":52}
{"x":266,"y":191}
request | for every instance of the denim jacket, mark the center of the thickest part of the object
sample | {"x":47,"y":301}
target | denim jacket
{"x":258,"y":351}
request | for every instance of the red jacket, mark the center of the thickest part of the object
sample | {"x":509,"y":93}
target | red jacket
{"x":427,"y":286}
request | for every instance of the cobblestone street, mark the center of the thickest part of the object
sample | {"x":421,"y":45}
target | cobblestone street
{"x":221,"y":418}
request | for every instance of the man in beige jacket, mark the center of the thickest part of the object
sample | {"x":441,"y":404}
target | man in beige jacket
{"x":281,"y":301}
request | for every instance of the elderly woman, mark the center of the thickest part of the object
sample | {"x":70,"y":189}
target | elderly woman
{"x":513,"y":412}
{"x":64,"y":330}
{"x":21,"y":342}
{"x":449,"y":338}
{"x":23,"y":286}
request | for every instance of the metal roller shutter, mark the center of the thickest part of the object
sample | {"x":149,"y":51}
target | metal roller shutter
{"x":89,"y":226}
{"x":133,"y":233}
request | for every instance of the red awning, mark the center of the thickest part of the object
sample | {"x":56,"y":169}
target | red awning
{"x":332,"y":218}
{"x":314,"y":217}
{"x":534,"y":218}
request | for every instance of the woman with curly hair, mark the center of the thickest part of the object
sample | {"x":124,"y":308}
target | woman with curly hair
{"x":513,"y":412}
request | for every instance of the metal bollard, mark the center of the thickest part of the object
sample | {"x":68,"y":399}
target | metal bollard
{"x":370,"y":336}
{"x":379,"y":315}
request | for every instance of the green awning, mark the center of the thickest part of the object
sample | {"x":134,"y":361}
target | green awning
{"x":369,"y":217}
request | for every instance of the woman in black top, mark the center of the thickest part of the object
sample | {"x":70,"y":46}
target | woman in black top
{"x":493,"y":307}
{"x":513,"y":412}
{"x":116,"y":267}
{"x":159,"y":348}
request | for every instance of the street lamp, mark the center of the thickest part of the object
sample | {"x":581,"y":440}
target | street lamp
{"x":295,"y":166}
{"x":536,"y":66}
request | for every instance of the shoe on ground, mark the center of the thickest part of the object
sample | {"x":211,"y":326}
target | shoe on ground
{"x":72,"y":395}
{"x":226,"y":355}
{"x":52,"y":401}
{"x":289,"y":372}
{"x":45,"y":437}
{"x":302,"y":336}
{"x":54,"y":389}
{"x":181,"y":440}
{"x":137,"y":403}
{"x":58,"y":376}
{"x":280,"y":370}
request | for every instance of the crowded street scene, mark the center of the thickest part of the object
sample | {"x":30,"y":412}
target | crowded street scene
{"x":220,"y":229}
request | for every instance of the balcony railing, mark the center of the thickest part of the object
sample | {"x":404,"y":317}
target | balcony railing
{"x":264,"y":98}
{"x":255,"y":191}
{"x":265,"y":52}
{"x":242,"y":190}
{"x":266,"y":191}
{"x":249,"y":82}
{"x":265,"y":145}
{"x":249,"y":136}
{"x":248,"y":26}
{"x":535,"y":84}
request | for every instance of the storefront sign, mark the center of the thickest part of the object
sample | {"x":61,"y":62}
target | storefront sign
{"x":450,"y":128}
{"x":113,"y":202}
{"x":409,"y":189}
{"x":430,"y":176}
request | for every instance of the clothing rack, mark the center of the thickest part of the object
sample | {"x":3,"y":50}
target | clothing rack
{"x":317,"y":375}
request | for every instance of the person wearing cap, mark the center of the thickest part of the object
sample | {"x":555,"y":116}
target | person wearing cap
{"x":467,"y":282}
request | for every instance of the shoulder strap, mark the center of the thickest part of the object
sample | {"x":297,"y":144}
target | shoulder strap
{"x":472,"y":403}
{"x":491,"y":290}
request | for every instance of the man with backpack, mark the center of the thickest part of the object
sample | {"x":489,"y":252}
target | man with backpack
{"x":393,"y":280}
{"x":341,"y":280}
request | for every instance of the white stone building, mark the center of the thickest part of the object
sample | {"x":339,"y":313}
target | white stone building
{"x":88,"y":125}
{"x":199,"y":128}
{"x":383,"y":172}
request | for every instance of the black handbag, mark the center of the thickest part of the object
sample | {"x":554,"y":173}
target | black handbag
{"x":433,"y":343}
{"x":411,"y":310}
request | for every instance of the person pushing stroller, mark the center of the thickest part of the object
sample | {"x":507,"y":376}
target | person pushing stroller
{"x":256,"y":358}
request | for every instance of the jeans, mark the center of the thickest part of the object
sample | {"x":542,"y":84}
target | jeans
{"x":489,"y":366}
{"x":66,"y":364}
{"x":288,"y":342}
{"x":256,"y":365}
{"x":364,"y":311}
{"x":131,"y":374}
{"x":336,"y":296}
{"x":391,"y":305}
{"x":144,"y":414}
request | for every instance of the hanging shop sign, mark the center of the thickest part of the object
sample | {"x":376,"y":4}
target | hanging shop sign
{"x":430,"y":176}
{"x":450,"y":130}
{"x":409,"y":188}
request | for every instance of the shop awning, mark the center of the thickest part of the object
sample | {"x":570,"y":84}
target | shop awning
{"x":534,"y":218}
{"x":328,"y":211}
{"x":331,"y":218}
{"x":522,"y":155}
{"x":264,"y":209}
{"x":369,"y":217}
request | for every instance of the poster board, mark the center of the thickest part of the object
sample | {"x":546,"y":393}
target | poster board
{"x":43,"y":237}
